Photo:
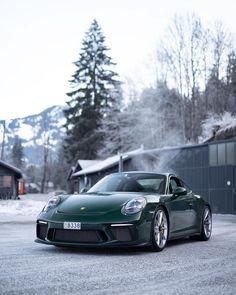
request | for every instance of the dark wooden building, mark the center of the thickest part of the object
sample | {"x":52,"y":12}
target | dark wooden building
{"x":89,"y":176}
{"x":73,"y":183}
{"x":209,"y":169}
{"x":9,"y":181}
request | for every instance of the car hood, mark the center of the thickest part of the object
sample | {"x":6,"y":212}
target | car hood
{"x":95,"y":203}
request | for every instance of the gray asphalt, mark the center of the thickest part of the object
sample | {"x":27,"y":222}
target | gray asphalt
{"x":184,"y":267}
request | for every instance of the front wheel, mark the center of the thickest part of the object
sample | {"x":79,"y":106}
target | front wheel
{"x":159,"y":230}
{"x":206,"y":225}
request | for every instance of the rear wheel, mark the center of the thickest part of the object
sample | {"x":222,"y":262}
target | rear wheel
{"x":206,"y":225}
{"x":159,"y":231}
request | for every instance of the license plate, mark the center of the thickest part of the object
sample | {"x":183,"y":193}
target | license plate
{"x":72,"y":225}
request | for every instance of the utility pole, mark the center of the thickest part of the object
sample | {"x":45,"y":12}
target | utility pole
{"x":3,"y":138}
{"x":120,"y":163}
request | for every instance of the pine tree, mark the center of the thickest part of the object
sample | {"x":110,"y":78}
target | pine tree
{"x":18,"y":153}
{"x":96,"y":90}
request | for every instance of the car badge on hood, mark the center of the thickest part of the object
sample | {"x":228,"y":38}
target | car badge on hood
{"x":82,"y":208}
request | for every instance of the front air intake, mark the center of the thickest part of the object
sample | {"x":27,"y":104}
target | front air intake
{"x":77,"y":236}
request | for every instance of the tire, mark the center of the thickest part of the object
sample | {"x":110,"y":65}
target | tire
{"x":159,"y":230}
{"x":206,"y":227}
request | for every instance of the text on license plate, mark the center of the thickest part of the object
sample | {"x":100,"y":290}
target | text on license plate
{"x":72,"y":225}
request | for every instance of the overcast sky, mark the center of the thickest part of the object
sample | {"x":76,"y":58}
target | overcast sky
{"x":41,"y":38}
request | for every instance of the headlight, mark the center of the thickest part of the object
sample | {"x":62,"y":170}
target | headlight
{"x":51,"y":203}
{"x":134,"y":206}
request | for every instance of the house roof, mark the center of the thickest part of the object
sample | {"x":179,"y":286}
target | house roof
{"x":12,"y":168}
{"x":107,"y":163}
{"x":84,"y":164}
{"x":80,"y":165}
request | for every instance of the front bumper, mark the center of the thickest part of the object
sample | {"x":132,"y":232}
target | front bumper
{"x":94,"y":234}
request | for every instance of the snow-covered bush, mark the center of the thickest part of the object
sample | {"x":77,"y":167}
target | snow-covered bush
{"x":214,"y":123}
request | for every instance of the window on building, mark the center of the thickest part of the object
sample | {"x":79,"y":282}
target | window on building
{"x":213,"y":154}
{"x":222,"y":154}
{"x":230,"y":152}
{"x":5,"y":181}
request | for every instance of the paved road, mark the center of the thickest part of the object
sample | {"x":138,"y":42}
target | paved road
{"x":184,"y":267}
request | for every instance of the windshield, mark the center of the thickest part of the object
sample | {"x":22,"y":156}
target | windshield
{"x":131,"y":182}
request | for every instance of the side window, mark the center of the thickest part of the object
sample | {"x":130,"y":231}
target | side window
{"x":185,"y":186}
{"x":175,"y":182}
{"x":173,"y":185}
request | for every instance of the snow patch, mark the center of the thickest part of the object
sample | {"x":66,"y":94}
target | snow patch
{"x":25,"y":131}
{"x":29,"y":144}
{"x":21,"y":207}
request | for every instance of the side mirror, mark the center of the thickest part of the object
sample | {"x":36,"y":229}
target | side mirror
{"x":84,"y":190}
{"x":179,"y":191}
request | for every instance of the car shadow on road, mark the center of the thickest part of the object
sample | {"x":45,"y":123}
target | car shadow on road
{"x":95,"y":251}
{"x":181,"y":241}
{"x":111,"y":251}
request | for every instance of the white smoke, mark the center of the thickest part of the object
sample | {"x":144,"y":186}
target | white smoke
{"x":160,"y":161}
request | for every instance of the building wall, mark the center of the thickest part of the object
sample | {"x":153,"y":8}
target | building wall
{"x":8,"y":189}
{"x":210,"y":170}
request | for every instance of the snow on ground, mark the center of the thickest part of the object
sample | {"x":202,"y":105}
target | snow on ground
{"x":25,"y":209}
{"x":19,"y":207}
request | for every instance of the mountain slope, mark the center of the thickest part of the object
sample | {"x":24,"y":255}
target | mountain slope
{"x":35,"y":131}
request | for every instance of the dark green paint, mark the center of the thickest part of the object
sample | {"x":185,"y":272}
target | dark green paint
{"x":99,"y":211}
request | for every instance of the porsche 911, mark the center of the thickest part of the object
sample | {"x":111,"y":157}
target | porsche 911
{"x":126,"y":209}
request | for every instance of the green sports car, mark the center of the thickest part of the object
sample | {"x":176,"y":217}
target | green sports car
{"x":126,"y":209}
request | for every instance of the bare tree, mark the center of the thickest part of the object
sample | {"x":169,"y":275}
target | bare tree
{"x":46,"y":152}
{"x":221,"y":41}
{"x":194,"y":47}
{"x":221,"y":46}
{"x":181,"y":51}
{"x":192,"y":55}
{"x":3,"y":138}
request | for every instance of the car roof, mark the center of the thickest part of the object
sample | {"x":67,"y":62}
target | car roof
{"x":144,"y":172}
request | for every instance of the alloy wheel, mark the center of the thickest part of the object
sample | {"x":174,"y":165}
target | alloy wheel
{"x":160,"y":228}
{"x":207,"y":223}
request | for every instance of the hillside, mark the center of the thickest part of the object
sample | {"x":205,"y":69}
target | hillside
{"x":35,"y":131}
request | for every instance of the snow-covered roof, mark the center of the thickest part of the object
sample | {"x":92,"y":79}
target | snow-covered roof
{"x":87,"y":163}
{"x":109,"y":162}
{"x":81,"y":165}
{"x":218,"y":127}
{"x":225,"y":133}
{"x":14,"y":169}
